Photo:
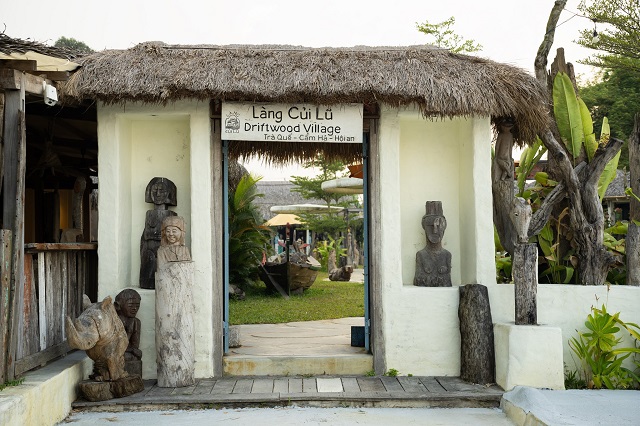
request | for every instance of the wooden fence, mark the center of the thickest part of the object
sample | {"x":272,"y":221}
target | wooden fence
{"x":55,"y":278}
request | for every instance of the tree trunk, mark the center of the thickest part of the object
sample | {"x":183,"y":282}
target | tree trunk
{"x":477,"y":360}
{"x":633,"y":234}
{"x":525,"y":279}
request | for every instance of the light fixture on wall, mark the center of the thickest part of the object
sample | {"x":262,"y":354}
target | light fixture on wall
{"x":596,"y":37}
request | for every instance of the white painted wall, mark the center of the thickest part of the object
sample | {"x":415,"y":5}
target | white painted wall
{"x":567,"y":307}
{"x":422,"y":160}
{"x":136,"y":143}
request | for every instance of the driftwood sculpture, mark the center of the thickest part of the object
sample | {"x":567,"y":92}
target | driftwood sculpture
{"x":175,"y":328}
{"x":100,"y":333}
{"x":433,"y":263}
{"x":162,"y":193}
{"x":127,"y":304}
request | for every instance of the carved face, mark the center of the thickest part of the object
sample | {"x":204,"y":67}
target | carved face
{"x":159,"y":193}
{"x":130,"y":308}
{"x":172,"y":234}
{"x":435,"y":229}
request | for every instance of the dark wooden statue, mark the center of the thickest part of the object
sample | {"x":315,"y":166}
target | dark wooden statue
{"x":433,"y":263}
{"x":100,"y":333}
{"x":127,"y":304}
{"x":162,"y":193}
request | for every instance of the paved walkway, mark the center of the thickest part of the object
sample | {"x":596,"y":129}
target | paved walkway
{"x":318,"y":338}
{"x":295,"y":416}
{"x":441,"y":392}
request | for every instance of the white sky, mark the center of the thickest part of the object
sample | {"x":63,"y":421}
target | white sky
{"x":510,"y":31}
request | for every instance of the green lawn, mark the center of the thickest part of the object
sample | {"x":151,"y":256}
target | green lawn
{"x":323,"y":300}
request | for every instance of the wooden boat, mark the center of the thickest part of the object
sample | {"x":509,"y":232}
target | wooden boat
{"x":288,"y":277}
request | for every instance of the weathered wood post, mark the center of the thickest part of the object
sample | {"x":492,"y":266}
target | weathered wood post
{"x":175,"y":334}
{"x":13,"y":169}
{"x":633,"y":233}
{"x":175,"y":328}
{"x":525,"y":278}
{"x":477,"y":360}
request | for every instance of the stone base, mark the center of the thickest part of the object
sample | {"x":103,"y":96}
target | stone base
{"x":102,"y":391}
{"x":528,"y":355}
{"x":133,"y":367}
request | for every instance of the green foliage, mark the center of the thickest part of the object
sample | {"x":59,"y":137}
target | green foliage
{"x":247,"y":238}
{"x":392,"y":372}
{"x":370,"y":373}
{"x":444,"y":36}
{"x":73,"y":45}
{"x":311,"y":188}
{"x":601,"y":358}
{"x":528,"y":159}
{"x":572,"y":380}
{"x":325,"y":248}
{"x":618,"y":24}
{"x":323,"y":300}
{"x":559,"y":270}
{"x":616,"y":95}
{"x":16,"y":382}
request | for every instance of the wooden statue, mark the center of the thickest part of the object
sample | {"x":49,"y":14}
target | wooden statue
{"x":127,"y":304}
{"x":99,"y":332}
{"x":162,"y":193}
{"x":433,"y":263}
{"x":175,"y":329}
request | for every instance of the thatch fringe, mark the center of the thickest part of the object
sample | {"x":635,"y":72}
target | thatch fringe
{"x":282,"y":153}
{"x":441,"y":83}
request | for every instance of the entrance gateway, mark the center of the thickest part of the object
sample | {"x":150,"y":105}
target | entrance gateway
{"x":297,"y":123}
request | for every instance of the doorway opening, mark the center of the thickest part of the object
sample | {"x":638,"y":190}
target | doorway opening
{"x":322,"y":337}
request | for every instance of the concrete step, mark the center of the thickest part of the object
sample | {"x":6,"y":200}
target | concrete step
{"x":280,"y":365}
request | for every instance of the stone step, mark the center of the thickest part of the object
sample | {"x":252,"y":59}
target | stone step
{"x":248,"y":365}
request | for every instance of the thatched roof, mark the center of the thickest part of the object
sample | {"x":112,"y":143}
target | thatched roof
{"x":278,"y":193}
{"x":441,"y":83}
{"x":617,"y":187}
{"x":9,"y":45}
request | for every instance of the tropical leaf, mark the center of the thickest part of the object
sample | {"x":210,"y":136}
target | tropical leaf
{"x":608,"y":174}
{"x":567,"y":113}
{"x":590,"y":144}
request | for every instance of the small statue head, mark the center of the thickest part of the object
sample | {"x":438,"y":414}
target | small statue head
{"x":173,"y":231}
{"x":434,"y":222}
{"x":161,"y":191}
{"x":127,"y":303}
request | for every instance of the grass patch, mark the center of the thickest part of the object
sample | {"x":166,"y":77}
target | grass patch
{"x":323,"y":300}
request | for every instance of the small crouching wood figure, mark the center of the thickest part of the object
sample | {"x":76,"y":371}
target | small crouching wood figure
{"x":433,"y":263}
{"x":127,"y":304}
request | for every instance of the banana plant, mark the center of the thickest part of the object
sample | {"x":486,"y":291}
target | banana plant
{"x":576,"y":128}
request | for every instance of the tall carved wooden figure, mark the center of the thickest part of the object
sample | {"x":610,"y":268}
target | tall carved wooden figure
{"x":127,"y":304}
{"x":175,"y":336}
{"x":162,"y":193}
{"x":433,"y":263}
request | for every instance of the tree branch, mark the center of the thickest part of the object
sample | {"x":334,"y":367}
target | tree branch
{"x":540,"y":63}
{"x":600,"y":160}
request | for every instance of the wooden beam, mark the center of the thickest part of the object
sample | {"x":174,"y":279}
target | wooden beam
{"x":217,"y":244}
{"x":375,"y":255}
{"x":17,"y":80}
{"x":19,"y":64}
{"x":14,"y":135}
{"x":32,"y":361}
{"x":51,"y":75}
